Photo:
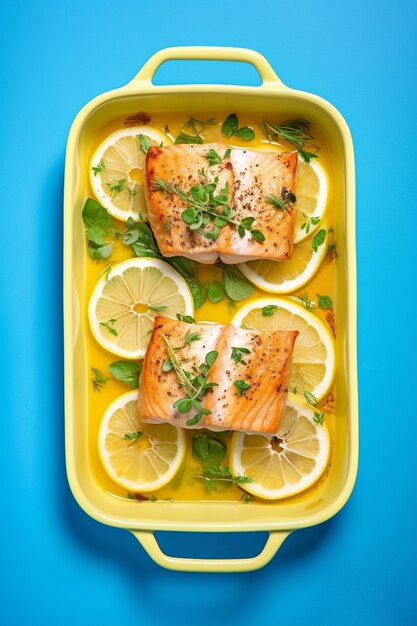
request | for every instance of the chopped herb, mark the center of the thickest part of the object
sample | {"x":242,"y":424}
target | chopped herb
{"x":318,"y":239}
{"x":98,"y":379}
{"x":312,"y":221}
{"x":127,"y":372}
{"x":268,"y":311}
{"x":241,"y":386}
{"x":191,"y":337}
{"x":167,"y":225}
{"x":133,"y":436}
{"x":237,"y":355}
{"x":185,"y":318}
{"x":110,"y":326}
{"x":246,"y":498}
{"x":306,"y":302}
{"x":206,"y":448}
{"x":157,"y":308}
{"x":97,"y":169}
{"x":213,"y":158}
{"x":188,"y":139}
{"x":325,"y":302}
{"x":319,"y":417}
{"x":223,"y":474}
{"x":310,"y":398}
{"x":198,"y":126}
{"x":120,"y":185}
{"x":215,"y":291}
{"x":231,"y":127}
{"x":227,"y":153}
{"x":144,"y":143}
{"x":296,"y":132}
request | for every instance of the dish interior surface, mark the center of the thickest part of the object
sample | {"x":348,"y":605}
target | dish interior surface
{"x":198,"y":508}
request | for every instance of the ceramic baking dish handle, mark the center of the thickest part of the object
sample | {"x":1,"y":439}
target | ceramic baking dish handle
{"x":150,"y":544}
{"x":208,"y":53}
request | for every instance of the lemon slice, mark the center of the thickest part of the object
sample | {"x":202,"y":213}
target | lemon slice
{"x":287,"y":463}
{"x":311,"y":194}
{"x":287,"y":276}
{"x":124,"y":304}
{"x":313,"y":358}
{"x":117,"y":170}
{"x":138,"y":456}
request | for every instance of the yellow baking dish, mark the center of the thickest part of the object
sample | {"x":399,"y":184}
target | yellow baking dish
{"x":280,"y":518}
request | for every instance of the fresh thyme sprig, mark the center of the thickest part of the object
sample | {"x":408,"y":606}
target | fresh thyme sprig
{"x":310,"y":221}
{"x":195,"y":384}
{"x":296,"y":132}
{"x":202,"y":209}
{"x":222,"y":474}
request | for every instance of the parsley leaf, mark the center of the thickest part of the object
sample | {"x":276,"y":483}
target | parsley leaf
{"x":133,"y":436}
{"x":318,"y":239}
{"x":237,"y":355}
{"x":268,"y":311}
{"x":241,"y":386}
{"x":213,"y":158}
{"x":325,"y":302}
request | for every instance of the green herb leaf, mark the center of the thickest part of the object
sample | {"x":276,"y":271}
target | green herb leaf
{"x":236,"y":286}
{"x":241,"y":386}
{"x":98,"y":379}
{"x":184,"y":405}
{"x":325,"y":302}
{"x":222,"y":474}
{"x":268,"y":311}
{"x":133,"y":436}
{"x":97,"y":169}
{"x":206,"y":448}
{"x":188,"y":139}
{"x":144,"y":143}
{"x":157,"y":308}
{"x":296,"y":132}
{"x":215,"y":291}
{"x":167,"y":366}
{"x":306,"y":302}
{"x":211,"y":357}
{"x":245,"y":133}
{"x":227,"y":153}
{"x":141,"y":238}
{"x":318,"y":239}
{"x":319,"y":417}
{"x":119,"y":186}
{"x":310,"y":398}
{"x":109,"y":326}
{"x":258,"y":235}
{"x":213,"y":158}
{"x":237,"y":355}
{"x":185,"y":318}
{"x":127,"y":372}
{"x":230,"y":125}
{"x":98,"y":223}
{"x":100,"y":252}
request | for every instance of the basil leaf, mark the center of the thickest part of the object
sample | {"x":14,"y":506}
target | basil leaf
{"x":236,"y":286}
{"x":100,"y":252}
{"x":208,"y":449}
{"x":325,"y":302}
{"x":215,"y":291}
{"x":144,"y":143}
{"x":245,"y":133}
{"x":127,"y":372}
{"x":230,"y":125}
{"x":318,"y":239}
{"x":98,"y":223}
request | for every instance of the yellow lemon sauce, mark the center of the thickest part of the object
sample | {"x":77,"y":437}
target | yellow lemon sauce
{"x":186,"y":485}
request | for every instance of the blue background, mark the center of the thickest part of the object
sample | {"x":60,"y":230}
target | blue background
{"x":61,"y":567}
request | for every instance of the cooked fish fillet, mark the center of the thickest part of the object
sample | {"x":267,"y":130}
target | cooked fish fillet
{"x":250,"y":177}
{"x":250,"y":375}
{"x":180,"y":165}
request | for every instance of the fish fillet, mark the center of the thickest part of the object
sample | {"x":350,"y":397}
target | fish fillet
{"x":249,"y":178}
{"x":259,"y":362}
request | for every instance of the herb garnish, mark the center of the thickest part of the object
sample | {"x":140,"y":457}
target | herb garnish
{"x":215,"y":291}
{"x":241,"y":386}
{"x":312,"y":221}
{"x":319,"y":417}
{"x":318,"y":239}
{"x":282,"y":203}
{"x":213,"y":158}
{"x":203,"y":209}
{"x":268,"y":311}
{"x":100,"y":228}
{"x":97,"y":169}
{"x":296,"y":132}
{"x":223,"y":474}
{"x":133,"y":436}
{"x":195,"y":385}
{"x":306,"y":302}
{"x":185,"y":318}
{"x":98,"y":379}
{"x":325,"y":302}
{"x":237,"y":355}
{"x":207,"y":449}
{"x":231,"y":127}
{"x":144,"y":143}
{"x":188,"y":139}
{"x":120,"y":185}
{"x":157,"y":308}
{"x":310,"y":398}
{"x":110,"y":326}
